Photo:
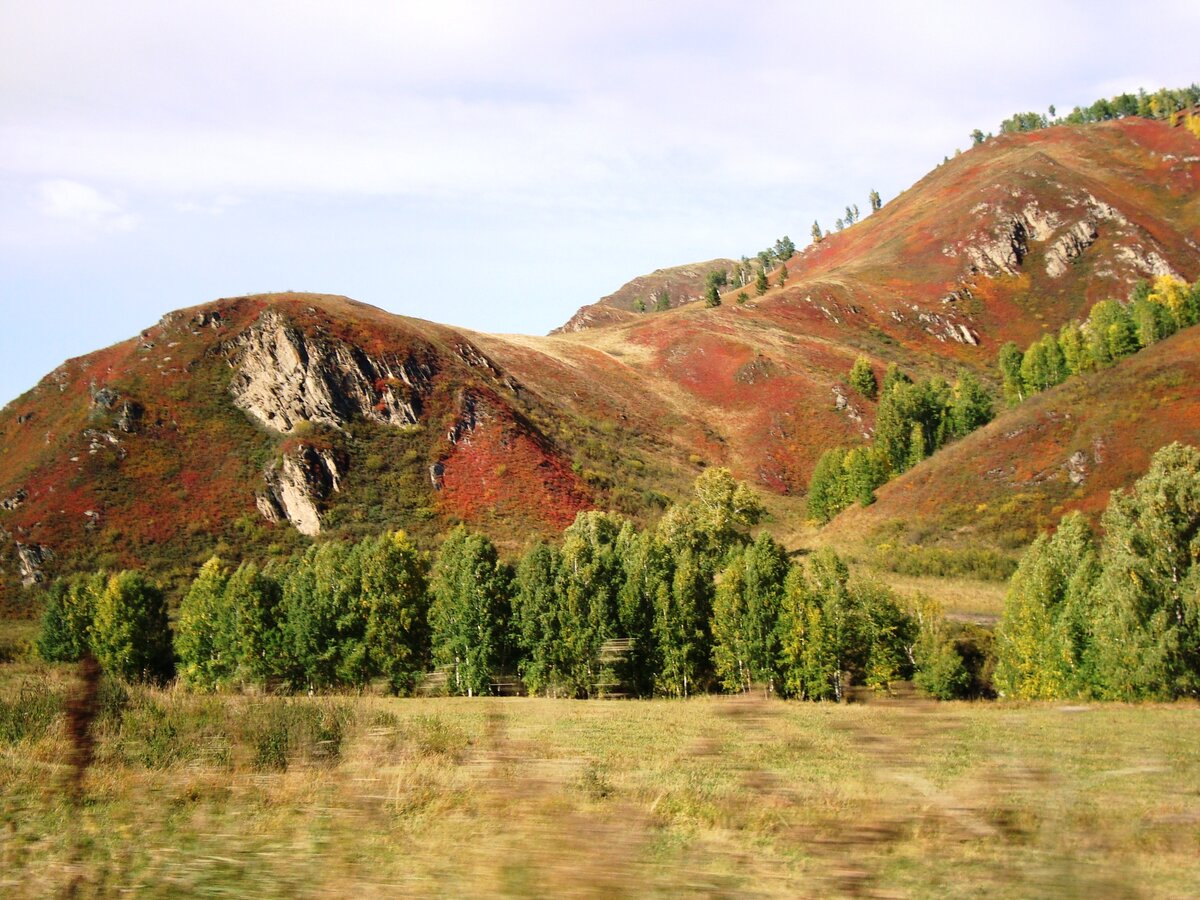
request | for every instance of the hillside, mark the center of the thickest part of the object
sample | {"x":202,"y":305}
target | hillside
{"x":672,"y":287}
{"x":248,"y":423}
{"x":1062,"y":450}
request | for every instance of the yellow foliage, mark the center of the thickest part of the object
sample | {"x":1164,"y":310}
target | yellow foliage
{"x":1193,"y":125}
{"x":1171,"y":292}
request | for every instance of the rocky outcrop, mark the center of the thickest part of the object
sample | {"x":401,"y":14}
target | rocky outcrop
{"x":285,"y":376}
{"x":129,"y":419}
{"x":1003,"y":250}
{"x":296,"y":485}
{"x":11,"y":503}
{"x":30,"y":560}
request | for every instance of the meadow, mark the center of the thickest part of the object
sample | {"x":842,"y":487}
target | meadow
{"x":368,"y":795}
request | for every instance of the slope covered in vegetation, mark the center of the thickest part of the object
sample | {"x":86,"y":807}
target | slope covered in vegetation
{"x":252,"y":423}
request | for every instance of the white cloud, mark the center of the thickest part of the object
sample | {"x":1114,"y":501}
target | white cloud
{"x":61,"y":198}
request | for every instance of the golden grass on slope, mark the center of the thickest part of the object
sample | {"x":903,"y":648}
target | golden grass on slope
{"x":534,"y":797}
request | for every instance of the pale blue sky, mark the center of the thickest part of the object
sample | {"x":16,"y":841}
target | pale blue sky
{"x":493,"y":165}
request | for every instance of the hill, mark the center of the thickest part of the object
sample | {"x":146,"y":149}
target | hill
{"x":1062,"y":450}
{"x":662,"y":289}
{"x":250,"y":423}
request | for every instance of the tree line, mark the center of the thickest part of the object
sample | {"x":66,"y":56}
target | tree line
{"x":1111,"y":332}
{"x":1162,"y":104}
{"x":693,"y":604}
{"x":912,"y":421}
{"x":1116,"y":618}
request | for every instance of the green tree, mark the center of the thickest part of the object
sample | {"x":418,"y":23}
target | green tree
{"x":1043,"y":365}
{"x":746,"y":611}
{"x":875,"y":201}
{"x":205,"y":641}
{"x":662,"y":300}
{"x":130,"y":633}
{"x":589,"y":580}
{"x":892,"y":376}
{"x":761,"y":285}
{"x":468,"y":614}
{"x":395,"y":597}
{"x":817,"y":235}
{"x":647,"y":576}
{"x":972,"y":406}
{"x":864,"y":469}
{"x":681,"y":626}
{"x":1076,"y":353}
{"x":66,"y":628}
{"x":939,"y":670}
{"x":1042,"y":637}
{"x":783,"y":275}
{"x":784,"y":248}
{"x":827,"y":489}
{"x":536,"y":611}
{"x":1009,"y":362}
{"x":1146,"y":631}
{"x":862,"y":378}
{"x":255,"y":598}
{"x":325,"y":625}
{"x":1111,"y":332}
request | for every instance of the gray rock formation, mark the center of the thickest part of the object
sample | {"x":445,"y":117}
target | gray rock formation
{"x":285,"y":377}
{"x":30,"y":559}
{"x":296,"y":485}
{"x":11,"y":503}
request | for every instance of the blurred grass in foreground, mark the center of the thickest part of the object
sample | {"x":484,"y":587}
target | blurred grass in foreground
{"x":272,"y":796}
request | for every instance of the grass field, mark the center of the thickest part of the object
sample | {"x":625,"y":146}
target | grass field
{"x":364,"y":796}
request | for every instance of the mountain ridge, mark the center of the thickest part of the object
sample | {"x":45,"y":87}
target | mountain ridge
{"x":159,"y":447}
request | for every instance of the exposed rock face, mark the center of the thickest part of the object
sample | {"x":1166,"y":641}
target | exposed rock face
{"x":296,"y":485}
{"x":11,"y":503}
{"x":285,"y":377}
{"x":1003,"y":250}
{"x":130,"y":416}
{"x":30,"y":559}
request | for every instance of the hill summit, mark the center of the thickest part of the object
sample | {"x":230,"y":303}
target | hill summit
{"x":255,"y":423}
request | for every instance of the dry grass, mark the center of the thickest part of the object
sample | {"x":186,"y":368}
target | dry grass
{"x":966,"y":599}
{"x":535,"y":797}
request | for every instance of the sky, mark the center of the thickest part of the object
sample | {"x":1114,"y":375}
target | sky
{"x":494,"y":165}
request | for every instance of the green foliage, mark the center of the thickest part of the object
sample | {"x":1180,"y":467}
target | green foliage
{"x":1040,"y":641}
{"x":662,"y":300}
{"x":940,"y":670}
{"x":1123,"y":622}
{"x":835,"y":633}
{"x":826,"y":487}
{"x":130,"y":633}
{"x":972,"y":406}
{"x":862,"y":378}
{"x":394,"y":592}
{"x":783,"y":275}
{"x":1043,"y":365}
{"x":66,"y":630}
{"x":746,"y":608}
{"x":1111,"y":332}
{"x":1009,"y":363}
{"x":469,"y":611}
{"x":817,"y":235}
{"x":536,"y":618}
{"x":875,"y":201}
{"x":205,"y":637}
{"x":761,"y":284}
{"x":587,"y":587}
{"x":1146,"y":636}
{"x":784,"y":248}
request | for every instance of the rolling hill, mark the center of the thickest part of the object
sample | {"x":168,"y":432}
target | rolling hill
{"x":250,"y":424}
